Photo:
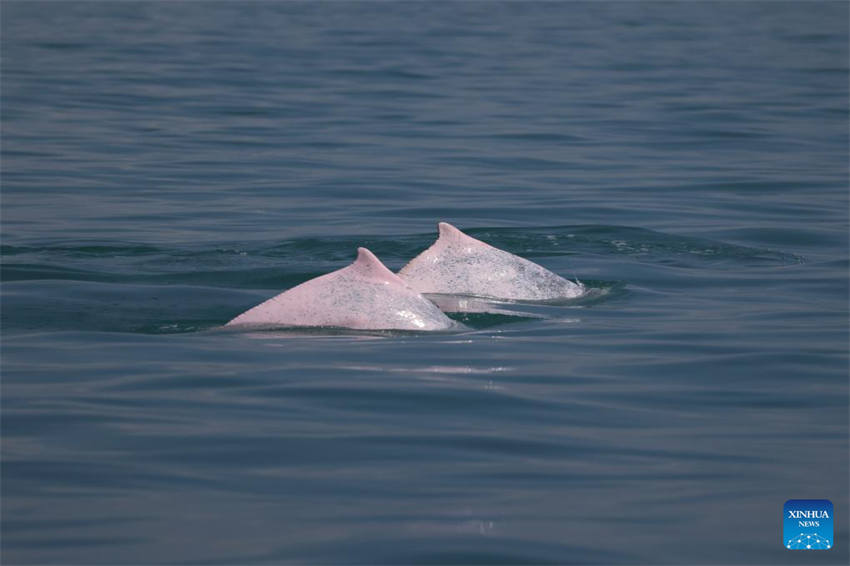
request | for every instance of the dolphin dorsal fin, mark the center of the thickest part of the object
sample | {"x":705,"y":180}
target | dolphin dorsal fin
{"x":454,"y":238}
{"x":450,"y":233}
{"x":368,"y":266}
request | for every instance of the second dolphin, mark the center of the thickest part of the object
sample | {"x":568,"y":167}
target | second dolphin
{"x":458,"y":264}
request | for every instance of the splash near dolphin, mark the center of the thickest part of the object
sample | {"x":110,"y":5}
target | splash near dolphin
{"x":458,"y":264}
{"x":364,"y":295}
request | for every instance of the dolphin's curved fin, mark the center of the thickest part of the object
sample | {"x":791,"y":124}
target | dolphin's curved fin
{"x":461,"y":265}
{"x":449,"y":233}
{"x":368,"y":267}
{"x":364,"y":295}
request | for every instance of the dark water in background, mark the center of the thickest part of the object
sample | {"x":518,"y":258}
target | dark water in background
{"x":167,"y":165}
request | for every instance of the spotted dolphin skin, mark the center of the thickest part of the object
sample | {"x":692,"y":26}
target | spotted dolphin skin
{"x":457,"y":264}
{"x":364,"y":295}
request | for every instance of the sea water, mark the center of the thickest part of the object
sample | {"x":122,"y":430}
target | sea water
{"x":166,"y":166}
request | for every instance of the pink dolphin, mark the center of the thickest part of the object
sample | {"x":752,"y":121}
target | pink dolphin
{"x":364,"y":295}
{"x":457,"y":264}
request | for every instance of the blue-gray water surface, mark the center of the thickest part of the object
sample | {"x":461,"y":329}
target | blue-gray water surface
{"x":167,"y":165}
